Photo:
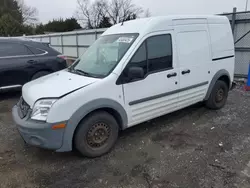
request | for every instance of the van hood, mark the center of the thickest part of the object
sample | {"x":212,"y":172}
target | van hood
{"x":54,"y":85}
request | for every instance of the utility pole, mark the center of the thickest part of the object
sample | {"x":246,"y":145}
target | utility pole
{"x":246,"y":5}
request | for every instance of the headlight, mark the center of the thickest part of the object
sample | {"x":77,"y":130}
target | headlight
{"x":41,"y":109}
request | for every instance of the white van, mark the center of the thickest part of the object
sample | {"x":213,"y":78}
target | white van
{"x":136,"y":71}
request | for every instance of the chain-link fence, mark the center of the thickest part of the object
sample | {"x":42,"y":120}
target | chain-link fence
{"x":240,"y":22}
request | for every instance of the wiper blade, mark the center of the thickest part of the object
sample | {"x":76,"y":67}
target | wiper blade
{"x":82,"y":72}
{"x":77,"y":71}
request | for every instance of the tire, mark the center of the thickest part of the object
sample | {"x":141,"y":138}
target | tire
{"x":40,"y":74}
{"x":218,"y":96}
{"x":91,"y":145}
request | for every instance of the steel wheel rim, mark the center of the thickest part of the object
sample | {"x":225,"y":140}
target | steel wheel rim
{"x":220,"y":95}
{"x":98,"y":135}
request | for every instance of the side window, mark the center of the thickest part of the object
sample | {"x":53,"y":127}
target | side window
{"x":13,"y":49}
{"x":36,"y":51}
{"x":140,"y":58}
{"x":159,"y":53}
{"x":155,"y":54}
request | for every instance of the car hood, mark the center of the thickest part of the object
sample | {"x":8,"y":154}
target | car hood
{"x":54,"y":85}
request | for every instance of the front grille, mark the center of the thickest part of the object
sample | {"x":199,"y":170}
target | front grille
{"x":23,"y":108}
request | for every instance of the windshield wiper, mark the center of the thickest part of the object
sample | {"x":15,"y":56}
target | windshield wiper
{"x":77,"y":71}
{"x":81,"y":72}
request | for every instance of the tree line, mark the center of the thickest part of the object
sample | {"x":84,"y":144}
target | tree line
{"x":16,"y":18}
{"x":105,"y":13}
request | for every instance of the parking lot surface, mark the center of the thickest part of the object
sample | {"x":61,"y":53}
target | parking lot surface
{"x":194,"y":147}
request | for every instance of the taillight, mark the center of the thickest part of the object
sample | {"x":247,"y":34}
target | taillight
{"x":62,"y":57}
{"x":68,"y":59}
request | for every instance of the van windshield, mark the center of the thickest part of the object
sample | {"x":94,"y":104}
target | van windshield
{"x":103,"y":56}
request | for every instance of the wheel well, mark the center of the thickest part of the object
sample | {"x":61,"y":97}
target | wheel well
{"x":111,"y":111}
{"x":43,"y":70}
{"x":114,"y":113}
{"x":226,"y":79}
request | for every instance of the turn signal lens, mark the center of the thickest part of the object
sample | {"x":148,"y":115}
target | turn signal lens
{"x":59,"y":126}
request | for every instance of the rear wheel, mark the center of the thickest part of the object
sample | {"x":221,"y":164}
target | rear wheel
{"x":40,"y":74}
{"x":218,"y":96}
{"x":96,"y":134}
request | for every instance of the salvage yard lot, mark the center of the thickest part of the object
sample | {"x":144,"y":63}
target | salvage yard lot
{"x":194,"y":147}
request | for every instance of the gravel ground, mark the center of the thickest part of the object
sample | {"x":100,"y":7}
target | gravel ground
{"x":194,"y":147}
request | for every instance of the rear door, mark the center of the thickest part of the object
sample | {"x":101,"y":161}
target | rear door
{"x":15,"y":64}
{"x":193,"y":47}
{"x":47,"y":59}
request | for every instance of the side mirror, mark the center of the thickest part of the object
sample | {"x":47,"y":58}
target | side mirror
{"x":135,"y":73}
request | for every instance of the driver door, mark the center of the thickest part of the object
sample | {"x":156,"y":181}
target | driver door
{"x":156,"y":93}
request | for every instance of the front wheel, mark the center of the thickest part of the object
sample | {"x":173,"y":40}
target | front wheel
{"x":218,"y":96}
{"x":96,"y":134}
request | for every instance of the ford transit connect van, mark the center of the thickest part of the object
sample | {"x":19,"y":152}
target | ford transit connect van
{"x":134,"y":72}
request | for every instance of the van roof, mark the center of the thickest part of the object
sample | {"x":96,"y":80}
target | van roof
{"x":159,"y":23}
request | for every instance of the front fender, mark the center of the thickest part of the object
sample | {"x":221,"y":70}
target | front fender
{"x":85,"y":110}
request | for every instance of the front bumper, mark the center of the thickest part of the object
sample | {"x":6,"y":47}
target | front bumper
{"x":38,"y":133}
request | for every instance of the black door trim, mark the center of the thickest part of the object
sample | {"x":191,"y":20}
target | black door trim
{"x":166,"y":94}
{"x":220,"y":58}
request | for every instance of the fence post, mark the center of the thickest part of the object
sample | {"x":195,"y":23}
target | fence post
{"x":233,"y":19}
{"x":62,"y":44}
{"x":95,"y":34}
{"x":49,"y":39}
{"x":77,"y":46}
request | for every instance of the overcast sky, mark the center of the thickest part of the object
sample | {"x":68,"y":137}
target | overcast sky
{"x":49,"y":9}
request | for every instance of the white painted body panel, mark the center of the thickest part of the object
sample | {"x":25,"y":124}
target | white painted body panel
{"x":106,"y":88}
{"x":221,"y":38}
{"x":194,"y":55}
{"x":152,"y":85}
{"x":54,"y":85}
{"x":185,"y":56}
{"x":148,"y":110}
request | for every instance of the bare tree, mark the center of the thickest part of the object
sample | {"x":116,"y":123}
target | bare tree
{"x":83,"y":12}
{"x":122,"y":10}
{"x":29,"y":13}
{"x":99,"y":7}
{"x":90,"y":14}
{"x":147,"y":13}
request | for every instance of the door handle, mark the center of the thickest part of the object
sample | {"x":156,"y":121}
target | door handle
{"x":32,"y":61}
{"x":185,"y":72}
{"x":172,"y":75}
